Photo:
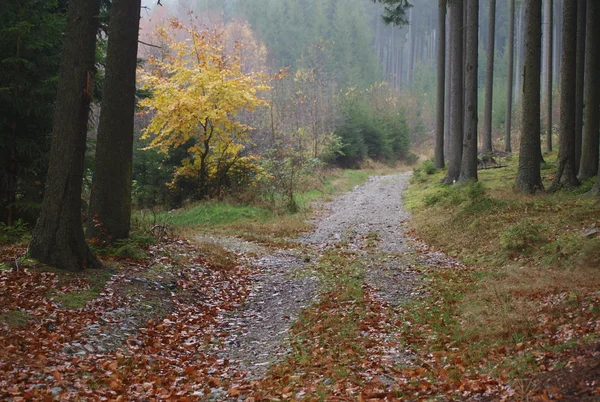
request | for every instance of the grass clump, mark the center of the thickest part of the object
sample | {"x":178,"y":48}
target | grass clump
{"x":96,"y":280}
{"x":15,"y":318}
{"x":420,"y":173}
{"x":521,"y":237}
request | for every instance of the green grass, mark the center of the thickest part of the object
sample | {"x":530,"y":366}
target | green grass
{"x":228,"y":216}
{"x":15,"y":318}
{"x":97,"y":279}
{"x":522,"y":249}
{"x":213,"y":213}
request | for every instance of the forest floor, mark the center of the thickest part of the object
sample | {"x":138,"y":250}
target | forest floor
{"x":354,"y":308}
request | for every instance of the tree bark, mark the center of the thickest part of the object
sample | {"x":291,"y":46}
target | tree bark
{"x":549,"y":79}
{"x":469,"y":158}
{"x":589,"y":156}
{"x":566,"y":154}
{"x":489,"y":82}
{"x":58,"y":237}
{"x":579,"y":105}
{"x":529,"y":179}
{"x":110,"y":201}
{"x":511,"y":74}
{"x":447,"y":109}
{"x":520,"y":51}
{"x":456,"y":90}
{"x":441,"y":83}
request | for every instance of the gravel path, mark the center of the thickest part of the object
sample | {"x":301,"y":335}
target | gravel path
{"x":369,"y":220}
{"x":372,"y":210}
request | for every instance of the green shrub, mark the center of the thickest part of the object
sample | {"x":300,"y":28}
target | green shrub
{"x":520,"y":237}
{"x":420,"y":173}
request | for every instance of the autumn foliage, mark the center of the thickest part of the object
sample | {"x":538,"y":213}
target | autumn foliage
{"x":198,"y":87}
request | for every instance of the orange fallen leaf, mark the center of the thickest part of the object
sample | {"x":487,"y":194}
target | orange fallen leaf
{"x":234,"y":392}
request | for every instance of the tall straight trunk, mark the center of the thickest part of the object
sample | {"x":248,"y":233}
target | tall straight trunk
{"x":468,"y":169}
{"x":549,"y":80}
{"x":447,"y":108}
{"x":520,"y":46}
{"x":581,"y":23}
{"x":558,"y":40}
{"x":110,"y":201}
{"x":441,"y":83}
{"x":529,"y":179}
{"x":411,"y":60}
{"x":511,"y":74}
{"x":58,"y":238}
{"x":456,"y":90}
{"x":567,"y":171}
{"x":589,"y":155}
{"x":489,"y":81}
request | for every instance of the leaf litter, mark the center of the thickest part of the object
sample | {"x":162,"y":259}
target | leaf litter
{"x":332,"y":318}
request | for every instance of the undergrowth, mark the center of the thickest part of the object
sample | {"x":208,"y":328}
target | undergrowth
{"x":534,"y":276}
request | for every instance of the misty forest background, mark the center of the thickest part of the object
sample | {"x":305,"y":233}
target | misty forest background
{"x":353,"y":90}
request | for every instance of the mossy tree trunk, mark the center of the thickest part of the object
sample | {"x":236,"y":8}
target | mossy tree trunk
{"x":58,"y":237}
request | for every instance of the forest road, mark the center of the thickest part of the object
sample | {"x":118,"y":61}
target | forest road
{"x":369,"y":220}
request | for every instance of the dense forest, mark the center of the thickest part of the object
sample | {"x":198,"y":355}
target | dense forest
{"x":161,"y":143}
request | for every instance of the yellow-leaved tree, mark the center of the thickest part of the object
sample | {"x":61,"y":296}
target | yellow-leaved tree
{"x":197,"y":88}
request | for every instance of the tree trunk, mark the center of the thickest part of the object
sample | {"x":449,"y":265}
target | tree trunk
{"x":110,"y":201}
{"x":520,"y":51}
{"x":511,"y":74}
{"x":441,"y":83}
{"x":468,"y":169}
{"x":456,"y":85}
{"x":529,"y":179}
{"x":447,"y":108}
{"x":489,"y":82}
{"x":58,"y":237}
{"x":589,"y":156}
{"x":549,"y":79}
{"x":579,"y":105}
{"x":411,"y":56}
{"x":566,"y":153}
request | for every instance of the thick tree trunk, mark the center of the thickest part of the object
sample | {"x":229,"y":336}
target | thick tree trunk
{"x":58,"y":237}
{"x":469,"y":158}
{"x":441,"y":83}
{"x":110,"y":202}
{"x":581,"y":23}
{"x":511,"y":75}
{"x":529,"y":179}
{"x":567,"y":171}
{"x":549,"y":80}
{"x":456,"y":85}
{"x":589,"y":156}
{"x":489,"y":82}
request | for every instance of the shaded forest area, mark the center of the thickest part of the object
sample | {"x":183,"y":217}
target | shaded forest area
{"x":164,"y":164}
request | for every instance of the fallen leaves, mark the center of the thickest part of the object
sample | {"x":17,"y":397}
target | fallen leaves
{"x":171,"y":357}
